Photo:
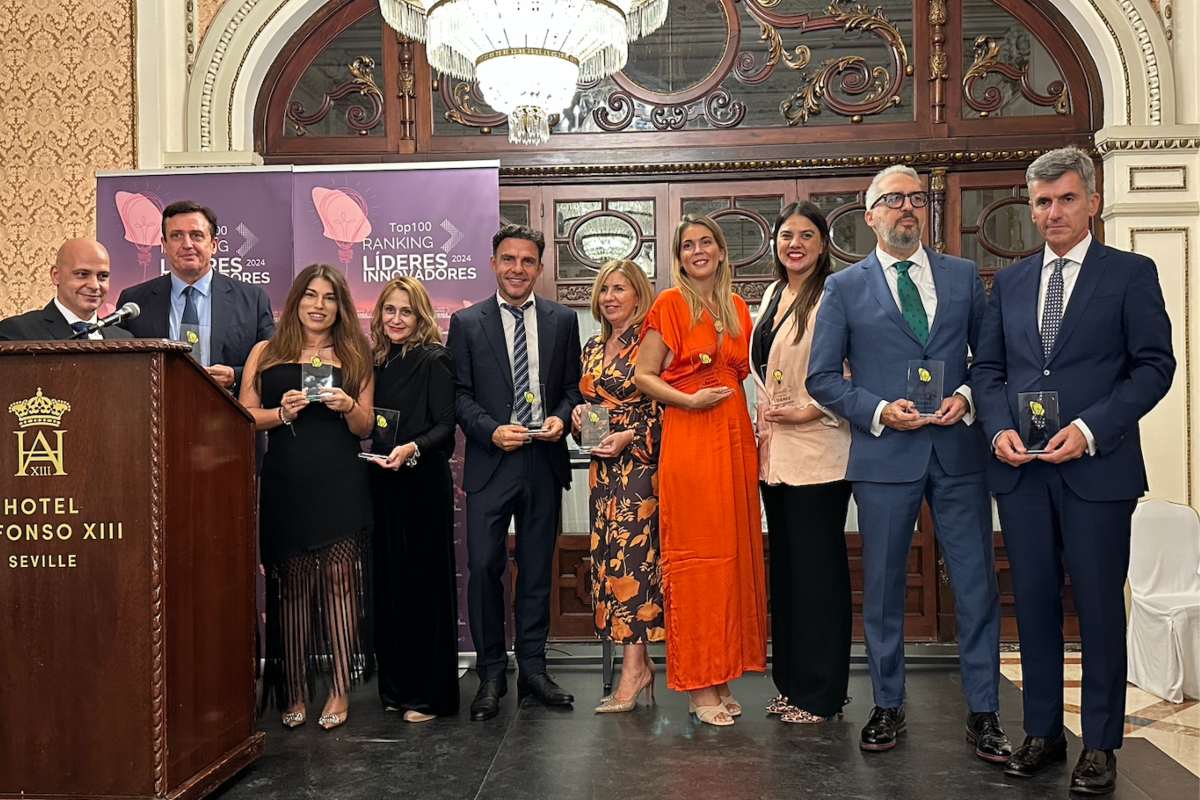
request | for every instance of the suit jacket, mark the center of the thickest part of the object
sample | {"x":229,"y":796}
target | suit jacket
{"x":240,"y":317}
{"x":48,"y":323}
{"x":860,"y":324}
{"x":484,"y":392}
{"x":1111,"y":363}
{"x":795,"y":455}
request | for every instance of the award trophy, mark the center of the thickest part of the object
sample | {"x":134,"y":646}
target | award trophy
{"x":190,"y":335}
{"x":1037,"y":414}
{"x":383,"y":435}
{"x":537,"y":410}
{"x":315,"y":377}
{"x":594,"y":428}
{"x":925,"y":385}
{"x":780,"y":394}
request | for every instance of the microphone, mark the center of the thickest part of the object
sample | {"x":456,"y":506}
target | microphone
{"x":125,"y":312}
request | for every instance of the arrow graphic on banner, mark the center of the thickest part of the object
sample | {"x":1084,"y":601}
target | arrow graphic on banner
{"x":250,"y":238}
{"x":455,"y":236}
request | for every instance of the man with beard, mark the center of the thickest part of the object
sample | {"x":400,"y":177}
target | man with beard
{"x":904,"y":303}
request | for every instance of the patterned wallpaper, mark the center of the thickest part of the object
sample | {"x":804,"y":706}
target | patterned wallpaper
{"x":68,"y":110}
{"x":205,"y":11}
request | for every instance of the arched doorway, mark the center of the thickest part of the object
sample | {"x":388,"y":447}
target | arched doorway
{"x":733,"y":109}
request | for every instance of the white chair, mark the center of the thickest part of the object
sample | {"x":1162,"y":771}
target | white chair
{"x":1163,"y":634}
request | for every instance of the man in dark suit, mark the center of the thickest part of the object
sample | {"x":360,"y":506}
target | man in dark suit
{"x":516,"y":359}
{"x":1088,"y":322}
{"x":80,"y":277}
{"x":225,"y":316}
{"x":906,"y":303}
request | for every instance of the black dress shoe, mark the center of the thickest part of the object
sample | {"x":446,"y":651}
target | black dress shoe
{"x":882,"y":728}
{"x":990,"y":740}
{"x":543,"y":689}
{"x":487,"y":699}
{"x":1035,"y":753}
{"x":1095,"y":772}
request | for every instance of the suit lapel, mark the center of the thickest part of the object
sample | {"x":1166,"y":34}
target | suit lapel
{"x":883,"y":294}
{"x":218,"y":318}
{"x":547,"y":339}
{"x":1026,"y":285}
{"x":57,"y":326}
{"x":159,"y":312}
{"x":493,"y":332}
{"x":1091,"y":272}
{"x":941,"y":288}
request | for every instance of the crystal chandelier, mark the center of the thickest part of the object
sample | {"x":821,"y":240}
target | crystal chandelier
{"x":526,"y":55}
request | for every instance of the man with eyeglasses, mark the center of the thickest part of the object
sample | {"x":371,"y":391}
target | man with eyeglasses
{"x":908,"y":309}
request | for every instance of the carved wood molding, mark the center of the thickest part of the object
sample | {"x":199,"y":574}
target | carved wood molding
{"x":939,"y":61}
{"x":362,"y":83}
{"x":987,"y":62}
{"x":158,"y":659}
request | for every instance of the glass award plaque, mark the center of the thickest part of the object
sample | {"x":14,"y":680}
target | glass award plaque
{"x":1037,"y":414}
{"x":383,"y":435}
{"x":315,"y":377}
{"x":780,"y":393}
{"x":190,"y":335}
{"x":594,"y":428}
{"x":925,"y":385}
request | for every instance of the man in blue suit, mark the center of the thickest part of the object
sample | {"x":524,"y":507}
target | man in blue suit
{"x":227,"y":316}
{"x":516,"y":362}
{"x":1088,"y":322}
{"x":906,"y":303}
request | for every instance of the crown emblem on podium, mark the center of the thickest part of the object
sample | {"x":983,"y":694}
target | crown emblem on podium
{"x":39,"y":410}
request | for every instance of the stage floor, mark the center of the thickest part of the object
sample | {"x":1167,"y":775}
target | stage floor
{"x":660,"y":752}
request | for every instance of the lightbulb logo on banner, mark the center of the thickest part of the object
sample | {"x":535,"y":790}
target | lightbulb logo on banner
{"x":432,"y":224}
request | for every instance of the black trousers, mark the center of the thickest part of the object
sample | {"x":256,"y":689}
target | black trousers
{"x":523,"y":486}
{"x":810,"y":593}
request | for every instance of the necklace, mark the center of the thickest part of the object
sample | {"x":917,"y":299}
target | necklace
{"x":316,"y":354}
{"x":400,"y":354}
{"x":717,"y":322}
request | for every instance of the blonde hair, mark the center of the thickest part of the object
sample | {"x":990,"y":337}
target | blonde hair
{"x":723,"y":286}
{"x":426,"y":332}
{"x":634,"y":274}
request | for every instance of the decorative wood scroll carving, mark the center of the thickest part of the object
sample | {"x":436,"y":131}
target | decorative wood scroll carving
{"x":987,"y":61}
{"x":939,"y":61}
{"x":362,"y":82}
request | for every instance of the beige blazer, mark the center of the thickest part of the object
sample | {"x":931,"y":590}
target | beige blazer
{"x":797,"y":455}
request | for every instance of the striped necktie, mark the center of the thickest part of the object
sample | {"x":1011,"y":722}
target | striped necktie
{"x":1053,"y":308}
{"x":520,"y":365}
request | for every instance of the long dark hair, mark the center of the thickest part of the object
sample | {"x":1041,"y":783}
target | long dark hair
{"x":349,"y":342}
{"x":814,"y":284}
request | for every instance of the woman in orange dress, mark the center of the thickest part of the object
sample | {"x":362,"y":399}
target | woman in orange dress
{"x":693,"y":359}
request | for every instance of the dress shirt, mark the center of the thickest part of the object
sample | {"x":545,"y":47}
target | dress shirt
{"x":922,"y":275}
{"x":1070,"y":272}
{"x":72,"y":318}
{"x":531,"y":345}
{"x":202,"y":299}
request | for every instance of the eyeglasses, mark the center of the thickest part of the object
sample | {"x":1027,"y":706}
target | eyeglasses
{"x":896,"y":199}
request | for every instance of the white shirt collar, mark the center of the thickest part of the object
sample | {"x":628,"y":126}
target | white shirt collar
{"x":502,"y":302}
{"x":1075,"y":254}
{"x":70,"y":315}
{"x":919,"y":258}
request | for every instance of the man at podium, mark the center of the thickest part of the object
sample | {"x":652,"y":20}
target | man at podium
{"x":80,"y":277}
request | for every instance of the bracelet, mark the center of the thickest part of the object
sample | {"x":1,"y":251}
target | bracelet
{"x":283,"y":418}
{"x":412,"y":460}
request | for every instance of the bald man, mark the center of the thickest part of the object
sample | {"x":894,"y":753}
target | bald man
{"x":80,"y":278}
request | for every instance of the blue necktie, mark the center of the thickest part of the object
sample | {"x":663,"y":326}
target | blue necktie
{"x":520,"y":366}
{"x":190,"y":316}
{"x":79,"y":327}
{"x":1052,"y":310}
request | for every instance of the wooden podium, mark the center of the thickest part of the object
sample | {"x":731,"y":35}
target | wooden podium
{"x":127,"y":566}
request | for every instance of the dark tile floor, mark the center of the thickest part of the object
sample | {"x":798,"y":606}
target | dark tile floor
{"x":659,"y":752}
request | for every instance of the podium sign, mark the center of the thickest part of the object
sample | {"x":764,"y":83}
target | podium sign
{"x":127,"y":562}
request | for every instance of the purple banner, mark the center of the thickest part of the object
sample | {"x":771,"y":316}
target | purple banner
{"x":254,"y":221}
{"x":431,"y":222}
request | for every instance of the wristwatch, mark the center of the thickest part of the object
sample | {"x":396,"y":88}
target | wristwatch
{"x":412,"y":460}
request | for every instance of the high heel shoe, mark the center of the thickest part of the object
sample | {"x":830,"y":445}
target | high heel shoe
{"x":730,"y":702}
{"x":417,"y":716}
{"x":333,"y":720}
{"x":711,"y":715}
{"x":293,"y":719}
{"x":610,"y":704}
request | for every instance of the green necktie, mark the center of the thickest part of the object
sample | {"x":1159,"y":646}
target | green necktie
{"x":910,"y":302}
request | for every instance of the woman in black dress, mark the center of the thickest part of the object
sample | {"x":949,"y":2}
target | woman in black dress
{"x":315,"y":498}
{"x":416,"y":608}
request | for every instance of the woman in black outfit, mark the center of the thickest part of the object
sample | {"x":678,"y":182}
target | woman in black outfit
{"x":315,"y":497}
{"x":416,"y":609}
